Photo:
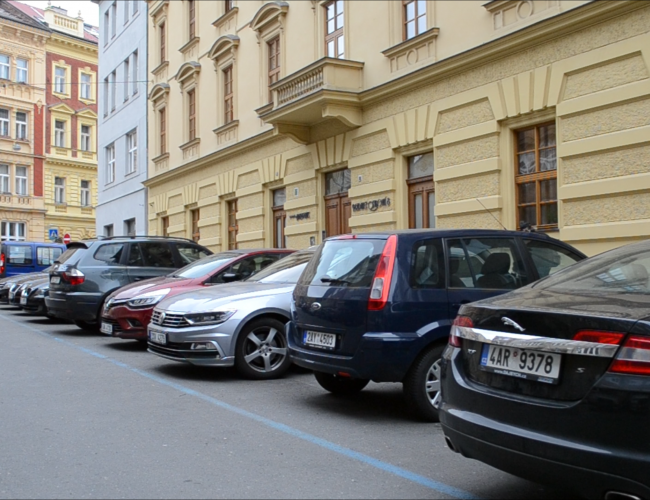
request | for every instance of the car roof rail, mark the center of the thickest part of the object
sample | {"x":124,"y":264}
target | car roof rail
{"x":134,"y":236}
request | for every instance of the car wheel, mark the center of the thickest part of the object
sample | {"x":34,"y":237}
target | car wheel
{"x":85,"y":325}
{"x":340,"y":385}
{"x":422,"y":384}
{"x":261,"y":351}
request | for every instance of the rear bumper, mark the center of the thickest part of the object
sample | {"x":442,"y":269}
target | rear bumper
{"x":578,"y":446}
{"x":74,"y":306}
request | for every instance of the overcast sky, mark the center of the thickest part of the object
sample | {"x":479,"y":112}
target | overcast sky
{"x":89,"y":10}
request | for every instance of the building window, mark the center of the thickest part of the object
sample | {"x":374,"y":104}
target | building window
{"x":107,"y":23}
{"x":85,"y":193}
{"x":21,"y":70}
{"x":165,"y":226}
{"x":191,"y":103}
{"x":4,"y":179}
{"x":127,"y":75}
{"x":21,"y":181}
{"x":274,"y":63}
{"x":59,"y":80}
{"x":129,"y":227}
{"x":4,"y":122}
{"x":113,"y":90}
{"x":59,"y":190}
{"x":191,"y":4}
{"x":12,"y":231}
{"x":126,"y":11}
{"x":536,"y":176}
{"x":134,"y":68}
{"x":415,"y":18}
{"x":85,"y":138}
{"x":279,"y":218}
{"x":132,"y":151}
{"x":195,"y":215}
{"x":229,"y":4}
{"x":113,"y":19}
{"x":422,"y":196}
{"x":228,"y":95}
{"x":110,"y":163}
{"x":59,"y":133}
{"x":21,"y":125}
{"x":334,"y":40}
{"x":108,"y":231}
{"x":135,"y":7}
{"x":4,"y":67}
{"x":162,"y":118}
{"x":106,"y":91}
{"x":85,"y":86}
{"x":162,"y":43}
{"x":232,"y":225}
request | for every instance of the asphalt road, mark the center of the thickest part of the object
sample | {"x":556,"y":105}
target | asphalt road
{"x":84,"y":416}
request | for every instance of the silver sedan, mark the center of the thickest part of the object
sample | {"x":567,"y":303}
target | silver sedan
{"x":234,"y":324}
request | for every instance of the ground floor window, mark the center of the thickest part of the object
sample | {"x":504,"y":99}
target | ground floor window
{"x":279,"y":218}
{"x":13,"y":231}
{"x":233,"y":228}
{"x":165,"y":226}
{"x":421,"y":191}
{"x":195,"y":216}
{"x":108,"y":230}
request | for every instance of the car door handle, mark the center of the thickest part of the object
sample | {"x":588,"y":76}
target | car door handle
{"x":457,"y":306}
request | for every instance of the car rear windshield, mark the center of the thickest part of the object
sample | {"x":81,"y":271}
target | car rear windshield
{"x":626,"y":269}
{"x":347,"y":262}
{"x":65,"y":256}
{"x":286,"y":270}
{"x":206,"y":265}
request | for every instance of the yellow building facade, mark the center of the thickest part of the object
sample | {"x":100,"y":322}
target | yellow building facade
{"x":22,"y":107}
{"x":281,"y":123}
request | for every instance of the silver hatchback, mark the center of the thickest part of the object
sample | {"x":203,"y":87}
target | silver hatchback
{"x":234,"y":324}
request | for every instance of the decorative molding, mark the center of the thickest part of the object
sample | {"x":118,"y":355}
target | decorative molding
{"x":158,"y":69}
{"x":190,"y":149}
{"x":227,"y":22}
{"x":227,"y":133}
{"x":189,"y":45}
{"x":187,"y":71}
{"x":268,"y":13}
{"x":159,"y":91}
{"x":413,"y":51}
{"x":224,"y":45}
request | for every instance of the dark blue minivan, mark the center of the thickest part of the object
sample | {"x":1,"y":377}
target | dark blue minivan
{"x":20,"y":257}
{"x":379,"y":306}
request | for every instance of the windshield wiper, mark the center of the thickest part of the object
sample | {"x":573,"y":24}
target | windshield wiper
{"x":335,"y":280}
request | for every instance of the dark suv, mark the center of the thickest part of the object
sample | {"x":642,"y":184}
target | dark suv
{"x":380,"y":306}
{"x":89,"y":271}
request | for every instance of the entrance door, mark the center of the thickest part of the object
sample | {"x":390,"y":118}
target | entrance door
{"x":338,"y":207}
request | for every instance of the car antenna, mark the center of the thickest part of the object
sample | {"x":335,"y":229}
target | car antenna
{"x":500,"y":223}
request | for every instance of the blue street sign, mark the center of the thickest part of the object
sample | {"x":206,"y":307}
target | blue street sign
{"x":54,"y":234}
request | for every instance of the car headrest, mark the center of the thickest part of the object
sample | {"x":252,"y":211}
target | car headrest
{"x":496,"y":263}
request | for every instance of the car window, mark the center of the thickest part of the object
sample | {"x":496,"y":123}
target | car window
{"x":549,"y":258}
{"x":427,"y":265}
{"x":206,"y":266}
{"x":190,"y":253}
{"x":45,"y":256}
{"x":245,"y":268}
{"x":135,"y":256}
{"x":157,"y":254}
{"x":19,"y":254}
{"x":285,"y":270}
{"x":489,"y":263}
{"x":65,"y":256}
{"x":346,"y":262}
{"x":110,"y":253}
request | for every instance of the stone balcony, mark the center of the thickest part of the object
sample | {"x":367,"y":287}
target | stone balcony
{"x":324,"y":91}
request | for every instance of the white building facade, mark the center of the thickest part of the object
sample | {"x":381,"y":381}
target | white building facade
{"x":122,"y":134}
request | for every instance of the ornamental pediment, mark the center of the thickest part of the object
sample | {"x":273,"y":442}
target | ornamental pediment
{"x":223,"y":45}
{"x":268,"y":13}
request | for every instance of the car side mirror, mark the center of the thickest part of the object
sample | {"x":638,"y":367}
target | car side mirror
{"x":230,"y":277}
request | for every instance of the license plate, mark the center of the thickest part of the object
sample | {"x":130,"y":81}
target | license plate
{"x":106,"y":328}
{"x":520,"y":363}
{"x":319,"y":339}
{"x":157,"y":337}
{"x":23,"y":301}
{"x":12,"y":295}
{"x":55,"y":280}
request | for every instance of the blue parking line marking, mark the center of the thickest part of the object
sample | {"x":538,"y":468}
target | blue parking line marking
{"x":323,"y":443}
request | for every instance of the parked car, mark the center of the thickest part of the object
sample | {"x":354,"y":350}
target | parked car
{"x":7,"y":285}
{"x":379,"y":306}
{"x":552,"y":382}
{"x":21,"y":257}
{"x":240,"y":324}
{"x":127,"y":311}
{"x":32,"y":297}
{"x":89,"y":271}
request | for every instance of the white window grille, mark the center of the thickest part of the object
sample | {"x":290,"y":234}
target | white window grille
{"x":21,"y":125}
{"x":59,"y":80}
{"x":4,"y":67}
{"x":85,"y":86}
{"x":59,"y":133}
{"x":85,"y":138}
{"x":12,"y":231}
{"x":21,"y":70}
{"x":4,"y":179}
{"x":21,"y":181}
{"x":59,"y":190}
{"x":4,"y":122}
{"x":132,"y":147}
{"x":85,"y":193}
{"x":110,"y":164}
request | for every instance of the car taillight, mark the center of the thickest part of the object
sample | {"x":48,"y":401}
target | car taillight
{"x":599,"y":337}
{"x":2,"y":263}
{"x":383,"y":275}
{"x":465,"y":321}
{"x":634,"y":357}
{"x":73,"y":276}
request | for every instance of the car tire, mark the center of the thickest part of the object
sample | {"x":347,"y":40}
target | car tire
{"x":340,"y":385}
{"x":261,"y":352}
{"x":85,"y":325}
{"x":422,"y":384}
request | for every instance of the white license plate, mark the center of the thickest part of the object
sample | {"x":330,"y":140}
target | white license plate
{"x":157,"y":337}
{"x":532,"y":365}
{"x":319,"y":339}
{"x":106,"y":328}
{"x":23,"y":301}
{"x":12,"y":295}
{"x":55,"y":280}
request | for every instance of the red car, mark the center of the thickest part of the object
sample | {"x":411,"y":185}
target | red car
{"x":127,"y":311}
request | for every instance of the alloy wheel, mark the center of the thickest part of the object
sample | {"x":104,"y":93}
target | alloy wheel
{"x":265,"y":349}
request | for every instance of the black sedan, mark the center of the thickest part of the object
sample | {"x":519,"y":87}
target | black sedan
{"x":551,"y":382}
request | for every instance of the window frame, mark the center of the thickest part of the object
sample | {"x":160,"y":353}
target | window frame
{"x":127,"y":75}
{"x":5,"y":67}
{"x":21,"y":126}
{"x":5,"y":179}
{"x":274,"y":49}
{"x":338,"y":32}
{"x":113,"y":19}
{"x":191,"y":10}
{"x":59,"y":134}
{"x":191,"y":114}
{"x":5,"y":227}
{"x":59,"y":191}
{"x":233,"y":226}
{"x":5,"y":123}
{"x":162,"y":41}
{"x":415,"y":20}
{"x":132,"y":152}
{"x":59,"y":80}
{"x":22,"y":181}
{"x":228,"y":95}
{"x":279,"y":216}
{"x":162,"y":129}
{"x":85,"y":85}
{"x":85,"y":138}
{"x":24,"y":70}
{"x":110,"y":163}
{"x":84,"y":193}
{"x":134,"y":69}
{"x":195,"y":217}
